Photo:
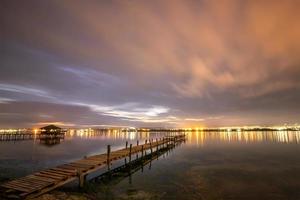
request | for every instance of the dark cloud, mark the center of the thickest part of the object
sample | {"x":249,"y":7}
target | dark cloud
{"x":157,"y":63}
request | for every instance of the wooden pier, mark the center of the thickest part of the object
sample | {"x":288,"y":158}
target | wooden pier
{"x":28,"y":136}
{"x":16,"y":136}
{"x":126,"y":170}
{"x":44,"y":181}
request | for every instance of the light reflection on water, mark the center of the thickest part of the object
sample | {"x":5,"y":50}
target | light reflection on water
{"x":112,"y":134}
{"x":195,"y":137}
{"x":201,"y":137}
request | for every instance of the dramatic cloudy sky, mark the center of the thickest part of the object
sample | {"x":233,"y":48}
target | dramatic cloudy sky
{"x":149,"y":63}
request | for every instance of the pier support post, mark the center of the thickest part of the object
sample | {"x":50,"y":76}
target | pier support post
{"x":81,"y":178}
{"x":126,"y":144}
{"x":160,"y":139}
{"x":137,"y":154}
{"x":130,"y":148}
{"x":167,"y":142}
{"x":108,"y":157}
{"x":150,"y":164}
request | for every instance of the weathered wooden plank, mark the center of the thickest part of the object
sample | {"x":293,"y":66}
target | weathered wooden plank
{"x":101,"y":157}
{"x":53,"y":174}
{"x":48,"y":176}
{"x":90,"y":162}
{"x":59,"y":172}
{"x":48,"y":180}
{"x":28,"y":181}
{"x":96,"y":159}
{"x":70,"y":171}
{"x":47,"y":189}
{"x":68,"y":167}
{"x":28,"y":186}
{"x":17,"y":187}
{"x":65,"y":170}
{"x":33,"y":181}
{"x":76,"y":163}
{"x":77,"y":167}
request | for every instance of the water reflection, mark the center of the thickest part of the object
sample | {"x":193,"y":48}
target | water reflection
{"x":49,"y":142}
{"x":116,"y":134}
{"x":200,"y":138}
{"x":194,"y":137}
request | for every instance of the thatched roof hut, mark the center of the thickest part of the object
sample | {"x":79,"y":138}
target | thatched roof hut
{"x":51,"y":129}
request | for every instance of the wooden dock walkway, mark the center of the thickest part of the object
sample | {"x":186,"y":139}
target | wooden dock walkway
{"x":117,"y":174}
{"x":28,"y":136}
{"x":16,"y":136}
{"x":46,"y":180}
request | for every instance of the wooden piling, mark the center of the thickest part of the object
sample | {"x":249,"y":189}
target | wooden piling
{"x":81,"y":178}
{"x":137,"y":144}
{"x":151,"y":148}
{"x":150,"y":164}
{"x":130,"y":148}
{"x":108,"y":157}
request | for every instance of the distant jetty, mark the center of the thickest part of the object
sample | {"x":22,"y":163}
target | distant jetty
{"x":44,"y":133}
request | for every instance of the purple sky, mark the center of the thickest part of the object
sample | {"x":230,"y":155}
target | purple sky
{"x":149,"y":63}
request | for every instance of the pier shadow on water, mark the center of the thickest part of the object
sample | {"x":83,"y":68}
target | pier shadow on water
{"x":49,"y":142}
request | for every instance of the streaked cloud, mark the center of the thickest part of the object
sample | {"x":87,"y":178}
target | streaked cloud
{"x":93,"y":76}
{"x":129,"y":111}
{"x":24,"y":90}
{"x":195,"y":119}
{"x":5,"y":100}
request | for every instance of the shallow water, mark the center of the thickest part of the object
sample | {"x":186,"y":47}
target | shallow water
{"x":227,"y":165}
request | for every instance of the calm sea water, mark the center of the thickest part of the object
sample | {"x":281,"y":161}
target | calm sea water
{"x":226,"y":165}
